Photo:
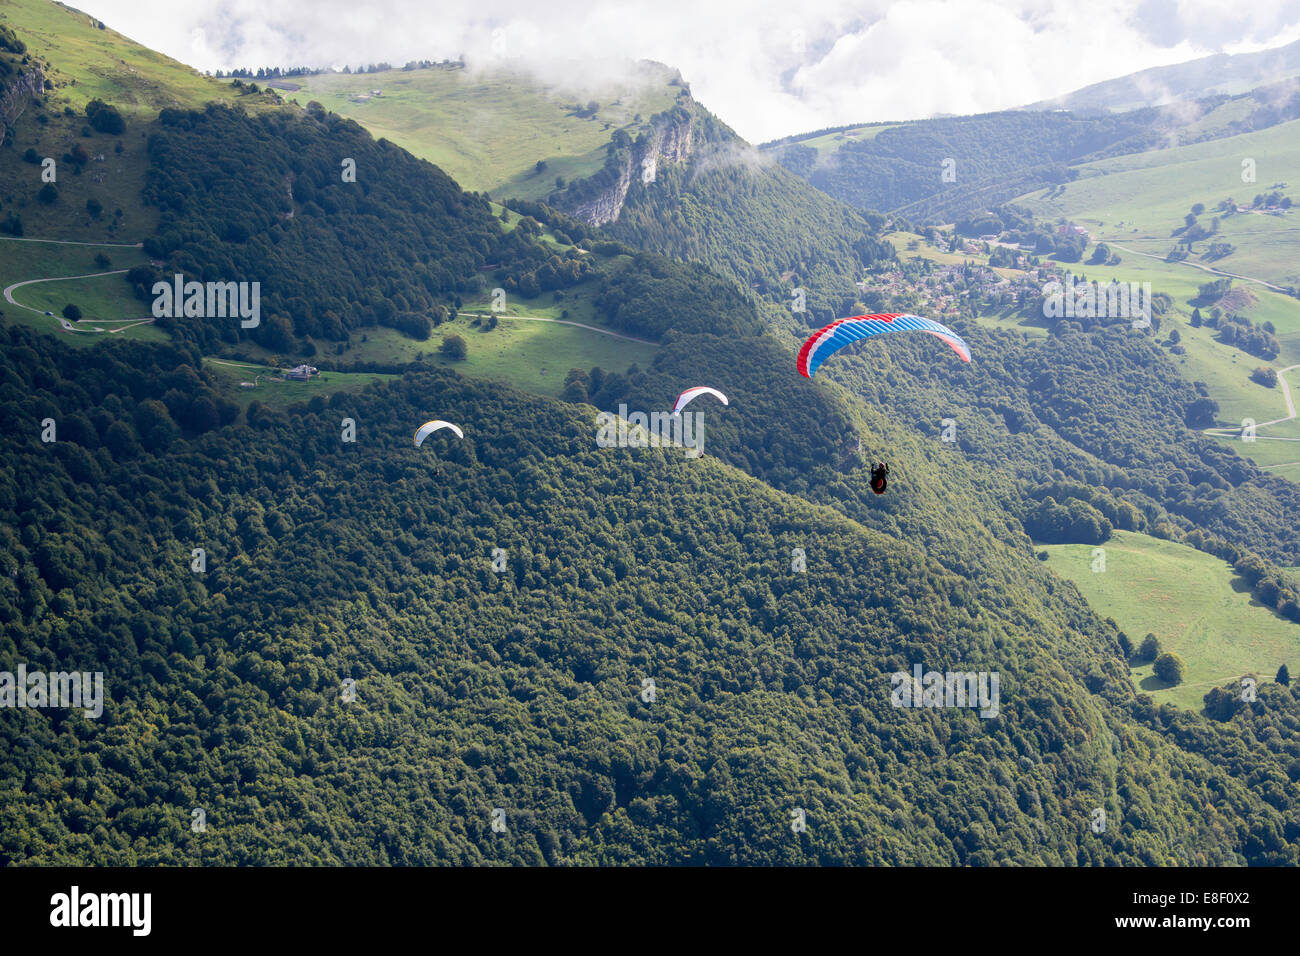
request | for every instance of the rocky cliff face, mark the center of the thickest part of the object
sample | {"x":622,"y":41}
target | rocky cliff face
{"x":19,"y":92}
{"x":666,"y":142}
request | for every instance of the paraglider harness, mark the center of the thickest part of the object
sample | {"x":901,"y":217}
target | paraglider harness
{"x":879,"y":478}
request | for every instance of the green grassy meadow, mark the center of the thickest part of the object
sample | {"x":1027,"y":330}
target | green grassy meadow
{"x":828,"y":143}
{"x":281,"y":395}
{"x":22,"y":260}
{"x":89,"y":63}
{"x":113,"y":178}
{"x":103,"y":299}
{"x":1140,"y":199}
{"x":532,"y":356}
{"x":488,"y":130}
{"x":100,"y":297}
{"x":1194,"y":604}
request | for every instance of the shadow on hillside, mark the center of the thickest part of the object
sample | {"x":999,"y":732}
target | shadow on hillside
{"x":1152,"y":683}
{"x":1242,"y":586}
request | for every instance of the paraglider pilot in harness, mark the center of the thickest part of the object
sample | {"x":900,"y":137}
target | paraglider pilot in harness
{"x":879,"y":478}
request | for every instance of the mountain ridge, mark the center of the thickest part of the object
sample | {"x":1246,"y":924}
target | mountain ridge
{"x":1218,"y":73}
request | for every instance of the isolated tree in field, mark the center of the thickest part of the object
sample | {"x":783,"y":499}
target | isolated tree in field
{"x":1169,"y":668}
{"x":71,"y":313}
{"x":1283,"y":676}
{"x":541,"y":165}
{"x":1201,"y":413}
{"x":454,"y":347}
{"x":48,"y":194}
{"x":1196,"y":318}
{"x":104,"y":118}
{"x":1149,"y":649}
{"x":1174,"y":336}
{"x":576,"y":386}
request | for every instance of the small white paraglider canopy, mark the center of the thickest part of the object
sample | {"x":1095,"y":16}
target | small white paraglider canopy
{"x":686,"y":397}
{"x":428,"y":428}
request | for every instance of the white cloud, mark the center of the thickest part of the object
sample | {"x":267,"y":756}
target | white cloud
{"x":766,"y":71}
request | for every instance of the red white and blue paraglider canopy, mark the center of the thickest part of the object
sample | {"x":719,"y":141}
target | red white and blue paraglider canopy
{"x":825,"y":342}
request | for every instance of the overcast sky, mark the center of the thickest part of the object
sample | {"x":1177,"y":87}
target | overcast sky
{"x":767,"y":69}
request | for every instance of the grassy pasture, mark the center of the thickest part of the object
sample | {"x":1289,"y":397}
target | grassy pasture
{"x":1194,"y":604}
{"x":488,"y":129}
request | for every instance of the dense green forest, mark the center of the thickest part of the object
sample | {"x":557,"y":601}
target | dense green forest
{"x":272,"y":206}
{"x":523,"y":690}
{"x":1096,"y":417}
{"x":638,"y":656}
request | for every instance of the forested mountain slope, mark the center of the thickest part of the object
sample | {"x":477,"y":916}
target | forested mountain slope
{"x":522,"y":690}
{"x":944,"y":169}
{"x":330,"y":255}
{"x":643,"y":672}
{"x":730,"y":207}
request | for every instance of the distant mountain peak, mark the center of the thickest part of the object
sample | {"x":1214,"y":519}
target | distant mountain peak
{"x":1218,"y":73}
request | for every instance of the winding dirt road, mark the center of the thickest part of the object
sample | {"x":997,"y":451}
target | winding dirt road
{"x":73,"y":242}
{"x":1197,"y":265}
{"x":1286,"y":394}
{"x":1290,"y":408}
{"x":68,"y":326}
